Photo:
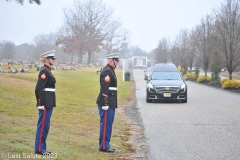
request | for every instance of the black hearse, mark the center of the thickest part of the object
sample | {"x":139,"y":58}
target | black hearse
{"x":166,"y":83}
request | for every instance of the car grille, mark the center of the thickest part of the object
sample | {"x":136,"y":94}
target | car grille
{"x":169,"y":89}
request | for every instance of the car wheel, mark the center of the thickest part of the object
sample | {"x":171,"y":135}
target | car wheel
{"x":147,"y":100}
{"x":184,"y":101}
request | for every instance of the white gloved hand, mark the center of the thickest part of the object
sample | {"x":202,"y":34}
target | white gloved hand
{"x":105,"y":108}
{"x":41,"y":107}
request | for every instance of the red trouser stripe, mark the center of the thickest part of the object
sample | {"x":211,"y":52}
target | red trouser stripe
{"x":42,"y":129}
{"x":104,"y":131}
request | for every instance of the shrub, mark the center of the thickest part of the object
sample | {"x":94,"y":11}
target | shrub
{"x":231,"y":84}
{"x":190,"y":75}
{"x":224,"y":80}
{"x":182,"y":71}
{"x":202,"y":79}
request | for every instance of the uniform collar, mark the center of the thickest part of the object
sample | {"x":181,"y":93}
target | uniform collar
{"x":47,"y":67}
{"x":110,"y":66}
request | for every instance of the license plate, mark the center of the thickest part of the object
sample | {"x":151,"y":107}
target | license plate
{"x":166,"y":94}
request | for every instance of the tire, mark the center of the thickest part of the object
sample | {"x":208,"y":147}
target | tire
{"x":147,"y":100}
{"x":184,"y":101}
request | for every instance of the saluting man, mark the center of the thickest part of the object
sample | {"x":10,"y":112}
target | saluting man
{"x":46,"y":100}
{"x":107,"y":101}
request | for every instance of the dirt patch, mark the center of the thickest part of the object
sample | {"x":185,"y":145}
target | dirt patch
{"x":136,"y":138}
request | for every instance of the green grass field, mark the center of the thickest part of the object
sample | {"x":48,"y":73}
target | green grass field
{"x":74,"y":127}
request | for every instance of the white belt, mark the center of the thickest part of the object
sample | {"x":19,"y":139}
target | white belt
{"x":49,"y":89}
{"x":112,"y":88}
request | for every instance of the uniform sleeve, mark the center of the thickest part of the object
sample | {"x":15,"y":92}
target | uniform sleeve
{"x":41,"y":83}
{"x":105,"y":83}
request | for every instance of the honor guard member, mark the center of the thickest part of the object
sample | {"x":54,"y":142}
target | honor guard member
{"x":107,"y":101}
{"x":46,"y":100}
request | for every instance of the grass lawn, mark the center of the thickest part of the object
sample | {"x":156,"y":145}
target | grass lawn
{"x":74,"y":127}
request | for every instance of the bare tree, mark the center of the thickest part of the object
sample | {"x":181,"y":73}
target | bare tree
{"x":174,"y":54}
{"x":30,"y":1}
{"x":203,"y":41}
{"x":1,"y":50}
{"x":85,"y":27}
{"x":228,"y":33}
{"x":162,"y":51}
{"x":136,"y":51}
{"x":24,"y":52}
{"x":69,"y":42}
{"x":45,"y":39}
{"x":115,"y":36}
{"x":124,"y":49}
{"x":180,"y":45}
{"x":191,"y":50}
{"x":8,"y":50}
{"x":72,"y":37}
{"x":44,"y":43}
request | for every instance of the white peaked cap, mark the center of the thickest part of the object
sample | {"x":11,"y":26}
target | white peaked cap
{"x":49,"y":54}
{"x":113,"y":55}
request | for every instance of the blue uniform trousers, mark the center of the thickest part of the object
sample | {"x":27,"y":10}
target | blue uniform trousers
{"x":106,"y":122}
{"x":43,"y":126}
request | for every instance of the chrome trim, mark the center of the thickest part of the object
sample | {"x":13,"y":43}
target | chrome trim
{"x":179,"y":98}
{"x":169,"y":89}
{"x":152,"y":97}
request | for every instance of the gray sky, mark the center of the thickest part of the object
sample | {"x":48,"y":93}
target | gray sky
{"x":148,"y":21}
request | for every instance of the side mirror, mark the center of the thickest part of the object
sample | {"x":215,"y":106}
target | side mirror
{"x":148,"y":79}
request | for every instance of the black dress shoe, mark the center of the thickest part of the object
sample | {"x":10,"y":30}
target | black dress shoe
{"x":43,"y":153}
{"x":107,"y":150}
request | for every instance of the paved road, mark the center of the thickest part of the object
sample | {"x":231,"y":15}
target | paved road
{"x":207,"y":127}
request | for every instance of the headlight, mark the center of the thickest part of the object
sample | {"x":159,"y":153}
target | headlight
{"x":183,"y":87}
{"x":150,"y":87}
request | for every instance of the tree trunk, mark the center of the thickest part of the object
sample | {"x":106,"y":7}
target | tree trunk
{"x":80,"y":57}
{"x":72,"y":60}
{"x":89,"y":57}
{"x":230,"y":76}
{"x":205,"y":73}
{"x":230,"y":70}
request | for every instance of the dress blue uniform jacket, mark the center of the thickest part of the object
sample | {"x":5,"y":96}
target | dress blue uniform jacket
{"x":45,"y":80}
{"x":108,"y":88}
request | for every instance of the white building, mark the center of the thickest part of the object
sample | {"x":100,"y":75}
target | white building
{"x":139,"y":62}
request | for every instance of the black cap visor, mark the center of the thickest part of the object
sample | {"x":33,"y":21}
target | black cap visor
{"x":116,"y":59}
{"x":52,"y":57}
